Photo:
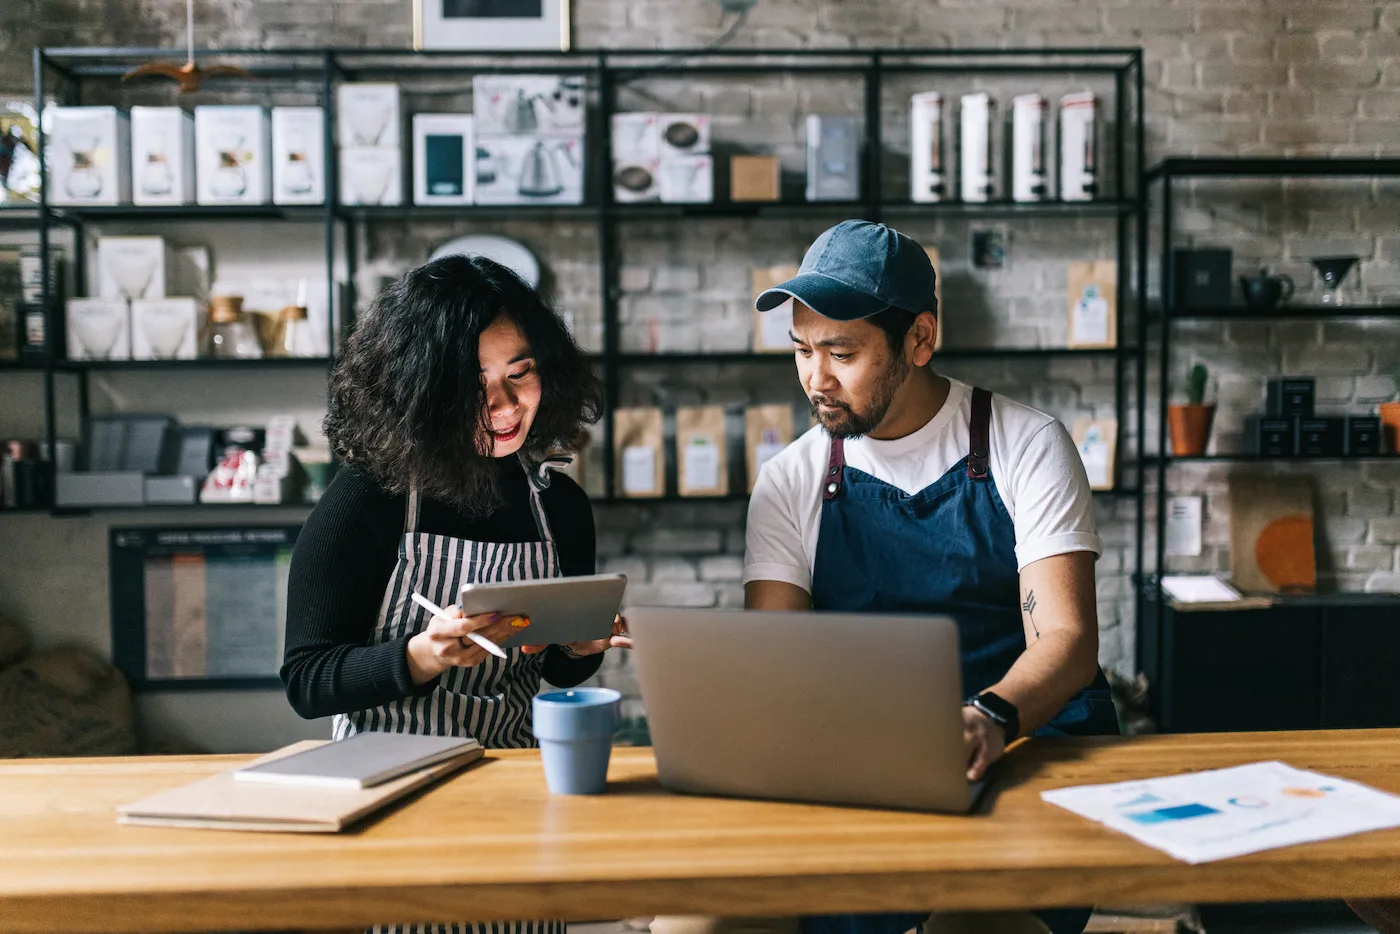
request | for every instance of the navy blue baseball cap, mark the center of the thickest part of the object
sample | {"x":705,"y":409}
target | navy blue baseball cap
{"x":858,"y":269}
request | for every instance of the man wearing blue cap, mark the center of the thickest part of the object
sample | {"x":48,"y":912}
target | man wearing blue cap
{"x":920,"y":494}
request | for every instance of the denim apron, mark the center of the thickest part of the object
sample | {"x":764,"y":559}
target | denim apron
{"x":948,"y":549}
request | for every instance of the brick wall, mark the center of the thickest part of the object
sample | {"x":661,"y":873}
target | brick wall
{"x":1224,"y":76}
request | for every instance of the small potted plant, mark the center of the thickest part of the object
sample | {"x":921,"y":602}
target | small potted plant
{"x":1390,"y":421}
{"x":1190,"y":423}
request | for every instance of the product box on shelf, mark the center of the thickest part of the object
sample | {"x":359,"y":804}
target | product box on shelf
{"x":833,"y":158}
{"x":98,"y":329}
{"x":927,"y":174}
{"x":1364,"y":435}
{"x":371,"y":177}
{"x":1290,"y":396}
{"x":170,"y":491}
{"x":162,"y":156}
{"x":636,"y":135}
{"x":1079,"y":164}
{"x":89,"y":156}
{"x":636,"y":179}
{"x":1028,"y":176}
{"x":1321,"y":436}
{"x":1267,"y":436}
{"x":368,"y":115}
{"x":164,"y":329}
{"x":683,"y":135}
{"x":99,"y":488}
{"x":1201,"y":277}
{"x":232,"y":154}
{"x":529,"y":170}
{"x":444,"y":159}
{"x":129,"y":268}
{"x":530,"y":105}
{"x":755,"y":178}
{"x":976,"y":166}
{"x":298,"y":155}
{"x":687,"y":180}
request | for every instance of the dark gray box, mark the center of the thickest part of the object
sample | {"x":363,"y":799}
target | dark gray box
{"x":107,"y":488}
{"x":1364,"y":435}
{"x":1201,"y":278}
{"x":1290,"y":397}
{"x":1269,"y":437}
{"x":171,"y":491}
{"x":1321,"y":436}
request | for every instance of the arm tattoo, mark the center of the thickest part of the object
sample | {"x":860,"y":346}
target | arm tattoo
{"x":1029,"y":607}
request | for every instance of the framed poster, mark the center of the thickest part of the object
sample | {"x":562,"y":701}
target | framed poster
{"x":199,"y":607}
{"x":491,"y":25}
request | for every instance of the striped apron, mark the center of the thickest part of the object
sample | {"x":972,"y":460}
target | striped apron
{"x":492,"y":701}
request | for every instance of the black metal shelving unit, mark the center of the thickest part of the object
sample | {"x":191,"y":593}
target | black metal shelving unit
{"x":1163,"y":318}
{"x":67,"y":74}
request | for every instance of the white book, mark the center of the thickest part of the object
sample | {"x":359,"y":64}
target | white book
{"x":361,"y":761}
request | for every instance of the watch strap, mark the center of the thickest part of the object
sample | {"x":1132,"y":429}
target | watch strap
{"x":1000,"y":711}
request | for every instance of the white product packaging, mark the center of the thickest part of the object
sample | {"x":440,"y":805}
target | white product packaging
{"x":129,"y":268}
{"x":98,"y":329}
{"x":529,"y":170}
{"x":232,"y":150}
{"x":298,"y":155}
{"x":368,"y":115}
{"x":975,"y":147}
{"x":636,"y":179}
{"x":530,"y":105}
{"x":162,"y":156}
{"x":688,"y":180}
{"x":683,"y":135}
{"x":927,"y":172}
{"x":636,"y":135}
{"x":444,"y":159}
{"x":833,"y":158}
{"x":164,"y":329}
{"x":89,"y":156}
{"x":1028,"y":180}
{"x":371,"y":177}
{"x":1078,"y":147}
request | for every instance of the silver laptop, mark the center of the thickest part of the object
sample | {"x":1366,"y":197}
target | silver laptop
{"x":830,"y":708}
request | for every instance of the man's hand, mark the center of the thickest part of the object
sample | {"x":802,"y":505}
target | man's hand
{"x":984,"y":740}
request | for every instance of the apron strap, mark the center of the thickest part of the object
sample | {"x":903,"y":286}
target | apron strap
{"x":835,"y":470}
{"x":415,"y":506}
{"x":980,"y":430}
{"x":538,"y":480}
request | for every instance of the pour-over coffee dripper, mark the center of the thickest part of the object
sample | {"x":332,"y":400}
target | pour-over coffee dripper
{"x":1333,"y":270}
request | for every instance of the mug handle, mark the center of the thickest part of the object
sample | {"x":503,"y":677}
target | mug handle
{"x":1287,"y":282}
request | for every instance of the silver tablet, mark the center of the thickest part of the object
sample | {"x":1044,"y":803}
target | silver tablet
{"x":561,"y":609}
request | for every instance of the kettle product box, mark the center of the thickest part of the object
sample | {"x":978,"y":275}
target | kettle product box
{"x":530,"y":105}
{"x":368,"y":115}
{"x":98,"y":329}
{"x":371,"y":177}
{"x":1028,"y":178}
{"x":164,"y":329}
{"x":129,"y":268}
{"x":975,"y":147}
{"x":529,"y":170}
{"x":232,"y":150}
{"x":833,"y":158}
{"x":298,"y":155}
{"x":89,"y":153}
{"x":444,"y":159}
{"x":162,"y":156}
{"x":1078,"y":147}
{"x":927,"y":174}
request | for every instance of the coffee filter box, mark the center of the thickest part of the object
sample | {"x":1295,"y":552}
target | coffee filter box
{"x":129,"y":268}
{"x":164,"y":329}
{"x":98,"y":329}
{"x":368,"y":115}
{"x":89,"y":156}
{"x":371,"y":176}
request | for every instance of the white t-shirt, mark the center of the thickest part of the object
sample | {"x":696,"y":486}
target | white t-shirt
{"x":1035,"y":465}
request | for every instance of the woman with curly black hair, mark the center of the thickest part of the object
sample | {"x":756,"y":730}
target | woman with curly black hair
{"x":446,"y":404}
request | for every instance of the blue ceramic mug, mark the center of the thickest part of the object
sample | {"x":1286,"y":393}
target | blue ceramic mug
{"x":575,"y":730}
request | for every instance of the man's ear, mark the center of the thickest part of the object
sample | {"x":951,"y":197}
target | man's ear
{"x":922,"y":338}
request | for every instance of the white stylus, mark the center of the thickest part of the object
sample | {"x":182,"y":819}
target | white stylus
{"x":482,"y":641}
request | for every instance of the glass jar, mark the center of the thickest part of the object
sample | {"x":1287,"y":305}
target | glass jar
{"x":297,"y":339}
{"x":231,"y":337}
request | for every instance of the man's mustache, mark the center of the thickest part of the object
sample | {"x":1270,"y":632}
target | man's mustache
{"x":833,"y":403}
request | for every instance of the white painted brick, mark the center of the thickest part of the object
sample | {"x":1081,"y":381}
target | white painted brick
{"x":1383,"y":582}
{"x":677,"y":541}
{"x":1371,"y":557}
{"x":1375,"y":388}
{"x":684,"y":279}
{"x":634,"y":568}
{"x":1365,"y":501}
{"x":635,"y":278}
{"x":674,"y":594}
{"x":1385,"y":531}
{"x":1344,"y":531}
{"x":723,"y":568}
{"x":672,"y":571}
{"x":1335,"y":390}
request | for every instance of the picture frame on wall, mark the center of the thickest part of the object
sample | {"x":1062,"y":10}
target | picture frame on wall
{"x":491,"y":25}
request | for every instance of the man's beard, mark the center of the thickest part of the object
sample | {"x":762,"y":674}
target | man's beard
{"x":846,"y":422}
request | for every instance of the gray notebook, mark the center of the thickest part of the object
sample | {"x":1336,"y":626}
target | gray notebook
{"x":361,"y":761}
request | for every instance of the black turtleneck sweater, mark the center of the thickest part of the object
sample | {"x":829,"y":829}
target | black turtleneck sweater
{"x":342,"y":563}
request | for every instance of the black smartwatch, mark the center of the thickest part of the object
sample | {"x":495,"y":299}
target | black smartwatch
{"x":1000,"y":711}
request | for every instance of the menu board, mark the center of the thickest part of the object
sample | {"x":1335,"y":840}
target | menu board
{"x":199,"y":604}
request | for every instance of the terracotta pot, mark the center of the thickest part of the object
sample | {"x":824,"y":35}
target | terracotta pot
{"x":1190,"y":428}
{"x":1390,"y":426}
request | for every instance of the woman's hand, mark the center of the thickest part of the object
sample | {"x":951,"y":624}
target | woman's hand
{"x":444,"y":644}
{"x":620,"y":639}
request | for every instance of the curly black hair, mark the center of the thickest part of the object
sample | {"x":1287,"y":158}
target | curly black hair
{"x":407,"y":398}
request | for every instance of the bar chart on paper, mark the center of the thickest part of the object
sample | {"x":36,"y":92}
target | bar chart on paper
{"x":199,"y":604}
